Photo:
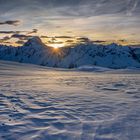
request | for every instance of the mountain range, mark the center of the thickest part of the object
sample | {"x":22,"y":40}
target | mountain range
{"x":34,"y":51}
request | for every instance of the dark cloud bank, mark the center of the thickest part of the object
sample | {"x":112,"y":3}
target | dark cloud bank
{"x":10,"y":22}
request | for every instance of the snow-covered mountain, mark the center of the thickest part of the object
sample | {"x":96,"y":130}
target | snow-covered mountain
{"x":35,"y":52}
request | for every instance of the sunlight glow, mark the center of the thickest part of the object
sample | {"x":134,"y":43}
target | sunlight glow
{"x":56,"y":45}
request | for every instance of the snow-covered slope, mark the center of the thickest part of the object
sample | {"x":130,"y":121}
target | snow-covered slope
{"x":37,"y":103}
{"x":35,"y":52}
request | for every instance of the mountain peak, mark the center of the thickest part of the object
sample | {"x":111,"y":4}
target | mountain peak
{"x":35,"y":42}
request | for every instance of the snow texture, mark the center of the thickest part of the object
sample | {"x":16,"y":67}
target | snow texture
{"x":40,"y":103}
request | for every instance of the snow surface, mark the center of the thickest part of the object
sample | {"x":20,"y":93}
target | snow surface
{"x":40,"y":103}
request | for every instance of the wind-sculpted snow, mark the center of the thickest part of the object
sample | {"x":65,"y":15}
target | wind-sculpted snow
{"x":35,"y":52}
{"x":39,"y":103}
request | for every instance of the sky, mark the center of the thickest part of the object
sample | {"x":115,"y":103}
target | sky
{"x":117,"y":20}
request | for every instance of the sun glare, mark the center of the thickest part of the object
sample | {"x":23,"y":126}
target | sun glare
{"x":57,"y":45}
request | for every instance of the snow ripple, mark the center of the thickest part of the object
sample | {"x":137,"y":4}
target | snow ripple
{"x":64,"y":105}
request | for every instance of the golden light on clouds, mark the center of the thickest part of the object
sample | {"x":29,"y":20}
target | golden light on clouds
{"x":103,"y":20}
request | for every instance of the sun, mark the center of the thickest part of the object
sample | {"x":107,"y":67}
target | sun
{"x":56,"y":46}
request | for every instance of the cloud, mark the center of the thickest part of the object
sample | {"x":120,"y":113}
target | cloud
{"x":11,"y":22}
{"x":58,"y":42}
{"x":43,"y":36}
{"x":20,"y":42}
{"x":33,"y":31}
{"x":6,"y":38}
{"x":54,"y":37}
{"x":69,"y":41}
{"x":21,"y":36}
{"x":83,"y":39}
{"x":18,"y":33}
{"x":63,"y":37}
{"x":99,"y":19}
{"x":45,"y":8}
{"x":99,"y":41}
{"x":11,"y":32}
